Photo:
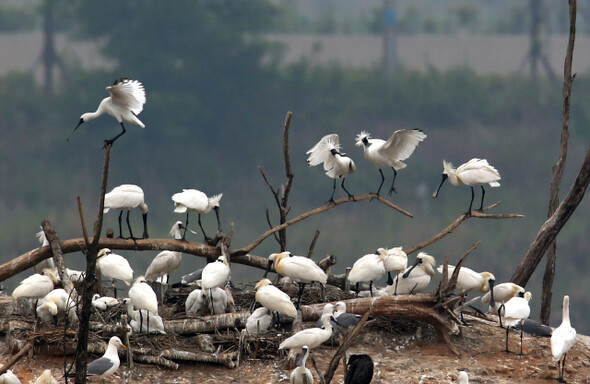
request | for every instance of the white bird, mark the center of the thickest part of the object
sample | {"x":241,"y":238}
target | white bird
{"x":75,"y":275}
{"x":36,"y":286}
{"x":9,"y":378}
{"x":109,"y":362}
{"x":166,"y":262}
{"x":196,"y":201}
{"x":368,"y":268}
{"x":563,"y":338}
{"x":416,"y":278}
{"x":390,"y":153}
{"x":216,"y":274}
{"x":126,"y":197}
{"x":502,"y":293}
{"x":516,"y":310}
{"x":47,"y":263}
{"x":336,"y":164}
{"x":142,"y":296}
{"x":139,"y":318}
{"x":203,"y":302}
{"x":310,"y":337}
{"x":125,"y":102}
{"x":103,"y":302}
{"x":474,"y":172}
{"x":274,"y":299}
{"x":300,"y":269}
{"x":327,"y":310}
{"x":46,"y":378}
{"x":301,"y":374}
{"x":114,"y":267}
{"x":462,"y":378}
{"x":396,"y":261}
{"x":259,"y":321}
{"x":57,"y":304}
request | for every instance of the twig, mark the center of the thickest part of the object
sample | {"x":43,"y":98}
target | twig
{"x":6,"y":366}
{"x":312,"y":245}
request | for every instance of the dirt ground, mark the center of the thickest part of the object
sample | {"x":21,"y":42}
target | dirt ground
{"x":402,"y":351}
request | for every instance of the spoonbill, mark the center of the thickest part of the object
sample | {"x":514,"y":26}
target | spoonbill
{"x":563,"y":338}
{"x":474,"y":172}
{"x":36,"y":286}
{"x":126,"y":197}
{"x":516,"y":310}
{"x":327,"y":310}
{"x":274,"y":299}
{"x":396,"y":261}
{"x":336,"y":164}
{"x":142,"y":296}
{"x":368,"y":268}
{"x":9,"y":378}
{"x":138,"y":322}
{"x":359,"y":369}
{"x":502,"y":293}
{"x":114,"y":267}
{"x":103,"y":302}
{"x":57,"y":303}
{"x":390,"y":153}
{"x":310,"y":337}
{"x":109,"y":362}
{"x":300,"y":269}
{"x":259,"y":321}
{"x":468,"y":280}
{"x":47,"y":263}
{"x":46,"y":378}
{"x":125,"y":102}
{"x":462,"y":377}
{"x":416,"y":278}
{"x":301,"y":374}
{"x":216,"y":274}
{"x":196,"y":303}
{"x":196,"y":201}
{"x":166,"y":262}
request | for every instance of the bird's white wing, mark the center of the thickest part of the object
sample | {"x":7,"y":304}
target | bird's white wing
{"x":320,"y":153}
{"x":125,"y":200}
{"x":128,"y":93}
{"x":403,"y":142}
{"x":478,"y":171}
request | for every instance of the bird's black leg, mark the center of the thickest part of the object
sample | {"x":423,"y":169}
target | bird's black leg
{"x":129,"y":227}
{"x":350,"y":195}
{"x":499,"y":316}
{"x":140,"y":321}
{"x":331,"y":201}
{"x":507,"y":330}
{"x":357,"y":289}
{"x":389,"y":278}
{"x":120,"y":227}
{"x":204,"y":234}
{"x":483,"y":193}
{"x":392,"y":189}
{"x":145,"y":231}
{"x":301,"y":287}
{"x":471,"y":202}
{"x":185,"y":227}
{"x":561,"y":379}
{"x":217,"y":216}
{"x":521,"y":326}
{"x":382,"y":180}
{"x":371,"y":288}
{"x":111,"y":141}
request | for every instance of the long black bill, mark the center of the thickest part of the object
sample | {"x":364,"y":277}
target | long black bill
{"x":492,"y":301}
{"x":145,"y":231}
{"x":72,"y":134}
{"x":444,"y":178}
{"x":268,"y":266}
{"x":300,"y":361}
{"x":407,"y":273}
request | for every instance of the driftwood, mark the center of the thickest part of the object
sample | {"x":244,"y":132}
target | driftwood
{"x":229,"y":359}
{"x":157,"y":360}
{"x":6,"y":366}
{"x":206,"y":323}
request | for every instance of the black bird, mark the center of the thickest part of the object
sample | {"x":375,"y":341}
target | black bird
{"x":359,"y":370}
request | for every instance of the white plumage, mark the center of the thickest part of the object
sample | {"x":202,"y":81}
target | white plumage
{"x":274,"y":299}
{"x":216,"y":274}
{"x":196,"y":201}
{"x":203,"y":302}
{"x":9,"y":378}
{"x":468,"y":280}
{"x":125,"y":102}
{"x":301,"y":374}
{"x":139,"y":320}
{"x":166,"y":262}
{"x":336,"y":164}
{"x":55,"y":305}
{"x":142,"y":296}
{"x":47,"y":263}
{"x":370,"y":267}
{"x":37,"y":285}
{"x":474,"y":172}
{"x":104,"y":302}
{"x":563,"y":338}
{"x":126,"y":197}
{"x":310,"y":337}
{"x":46,"y":378}
{"x":114,"y":267}
{"x":109,"y":362}
{"x":343,"y":319}
{"x":463,"y":377}
{"x":259,"y":321}
{"x":516,"y":310}
{"x":300,"y":269}
{"x":395,"y":261}
{"x":502,"y":293}
{"x":390,"y":153}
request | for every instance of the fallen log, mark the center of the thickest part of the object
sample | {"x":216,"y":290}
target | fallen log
{"x":206,"y":323}
{"x":229,"y":360}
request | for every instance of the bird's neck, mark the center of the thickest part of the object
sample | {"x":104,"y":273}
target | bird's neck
{"x":565,"y":314}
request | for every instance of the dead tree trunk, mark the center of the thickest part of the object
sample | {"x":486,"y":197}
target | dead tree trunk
{"x":559,"y":166}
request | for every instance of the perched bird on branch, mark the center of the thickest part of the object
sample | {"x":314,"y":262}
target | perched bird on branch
{"x":166,"y":262}
{"x":115,"y":267}
{"x":474,"y":172}
{"x":336,"y":164}
{"x":125,"y":102}
{"x":390,"y":153}
{"x":126,"y":197}
{"x":196,"y":201}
